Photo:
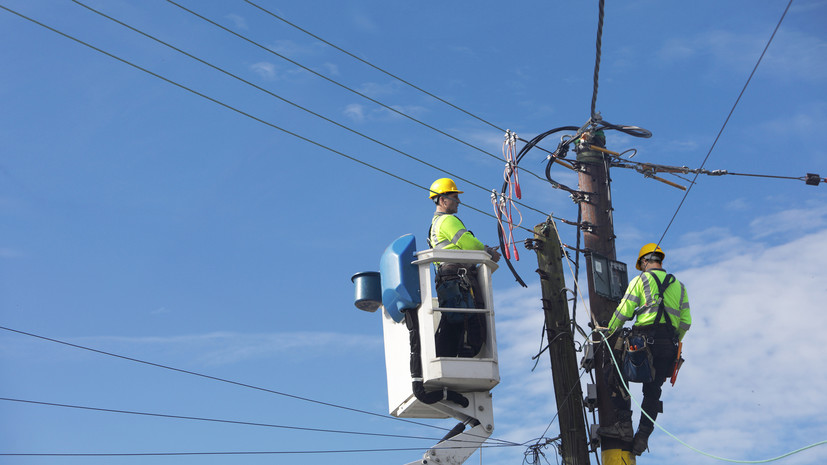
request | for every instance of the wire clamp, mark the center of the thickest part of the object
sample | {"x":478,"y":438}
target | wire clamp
{"x":578,"y":197}
{"x":585,"y":226}
{"x":813,"y":179}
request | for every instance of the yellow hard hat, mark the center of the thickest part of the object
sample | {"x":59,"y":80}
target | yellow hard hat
{"x":443,"y":186}
{"x":646,"y":250}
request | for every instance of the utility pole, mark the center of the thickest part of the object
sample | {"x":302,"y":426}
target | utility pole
{"x":599,"y":238}
{"x":567,"y":389}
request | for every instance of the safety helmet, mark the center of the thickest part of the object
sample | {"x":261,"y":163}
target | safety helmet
{"x":646,"y":250}
{"x":443,"y":186}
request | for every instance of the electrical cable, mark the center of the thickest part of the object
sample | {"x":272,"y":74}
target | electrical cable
{"x":215,"y":420}
{"x":285,"y":100}
{"x":230,"y":107}
{"x":731,"y":111}
{"x":597,"y":56}
{"x":285,"y":452}
{"x":280,"y":18}
{"x":227,"y":381}
{"x":332,"y":81}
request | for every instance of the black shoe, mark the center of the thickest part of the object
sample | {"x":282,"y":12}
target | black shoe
{"x":641,"y":443}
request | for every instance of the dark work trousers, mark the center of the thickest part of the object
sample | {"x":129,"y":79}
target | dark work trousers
{"x":460,"y":334}
{"x":661,"y":342}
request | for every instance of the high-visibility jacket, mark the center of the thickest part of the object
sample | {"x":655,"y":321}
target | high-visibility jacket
{"x":448,"y":232}
{"x":642,"y":300}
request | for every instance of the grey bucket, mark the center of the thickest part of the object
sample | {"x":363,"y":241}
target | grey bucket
{"x":368,"y":290}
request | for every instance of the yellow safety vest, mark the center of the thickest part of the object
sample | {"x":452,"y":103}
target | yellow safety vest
{"x":642,"y":300}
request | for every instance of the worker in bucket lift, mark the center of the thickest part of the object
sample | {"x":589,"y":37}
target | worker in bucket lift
{"x":458,"y":334}
{"x":660,"y":306}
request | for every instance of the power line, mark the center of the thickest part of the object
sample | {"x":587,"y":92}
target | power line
{"x":223,"y":380}
{"x":283,"y":99}
{"x":599,"y":45}
{"x":214,"y":420}
{"x":280,"y":18}
{"x":283,"y":452}
{"x":332,"y":81}
{"x":731,"y":111}
{"x":241,"y":112}
{"x":408,"y":83}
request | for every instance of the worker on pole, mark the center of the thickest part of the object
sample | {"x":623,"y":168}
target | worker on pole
{"x":458,"y":334}
{"x":660,"y":306}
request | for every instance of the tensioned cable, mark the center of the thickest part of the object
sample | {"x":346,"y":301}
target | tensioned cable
{"x":215,"y":420}
{"x":227,"y":381}
{"x":230,"y":107}
{"x":731,"y":111}
{"x":597,"y":55}
{"x":280,"y":18}
{"x":284,"y":452}
{"x":283,"y":99}
{"x":316,"y":73}
{"x":430,"y":94}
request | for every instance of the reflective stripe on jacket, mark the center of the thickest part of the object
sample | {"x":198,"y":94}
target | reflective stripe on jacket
{"x":642,"y":300}
{"x":448,"y":232}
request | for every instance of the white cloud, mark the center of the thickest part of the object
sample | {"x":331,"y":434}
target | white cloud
{"x":790,"y":50}
{"x":794,"y":221}
{"x":355,"y":112}
{"x":239,"y":21}
{"x":753,"y":383}
{"x":223,"y":348}
{"x":264,"y":69}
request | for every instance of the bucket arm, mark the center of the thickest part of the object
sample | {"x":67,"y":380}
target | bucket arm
{"x":455,"y":449}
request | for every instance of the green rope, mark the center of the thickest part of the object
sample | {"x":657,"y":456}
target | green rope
{"x":626,"y":387}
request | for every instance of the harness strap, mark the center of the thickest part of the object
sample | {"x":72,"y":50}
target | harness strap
{"x":662,"y":286}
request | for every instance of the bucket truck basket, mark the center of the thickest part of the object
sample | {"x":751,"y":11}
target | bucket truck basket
{"x":402,"y":269}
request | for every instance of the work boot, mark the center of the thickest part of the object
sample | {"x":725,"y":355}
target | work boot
{"x":622,"y":429}
{"x":642,"y":439}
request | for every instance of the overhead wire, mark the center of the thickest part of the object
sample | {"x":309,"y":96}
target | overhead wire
{"x":599,"y":45}
{"x":282,"y":452}
{"x":232,"y":108}
{"x":214,"y":420}
{"x":388,"y":73}
{"x":333,"y":81}
{"x":284,"y":20}
{"x":290,"y":102}
{"x":731,"y":111}
{"x":228,"y":381}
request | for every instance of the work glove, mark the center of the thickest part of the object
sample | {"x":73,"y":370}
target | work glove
{"x":493,"y":252}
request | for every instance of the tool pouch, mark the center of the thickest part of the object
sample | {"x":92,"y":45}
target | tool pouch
{"x":638,"y":364}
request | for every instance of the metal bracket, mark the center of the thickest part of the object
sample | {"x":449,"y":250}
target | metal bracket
{"x":578,"y":197}
{"x":585,"y":226}
{"x":587,"y":363}
{"x":594,"y":438}
{"x":591,"y":397}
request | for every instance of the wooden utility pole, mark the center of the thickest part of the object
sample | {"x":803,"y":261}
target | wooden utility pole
{"x":599,"y":238}
{"x":567,"y":389}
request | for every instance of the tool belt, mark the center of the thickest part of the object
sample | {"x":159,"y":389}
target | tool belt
{"x":451,"y":271}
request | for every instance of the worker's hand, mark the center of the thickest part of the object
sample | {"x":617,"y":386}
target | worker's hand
{"x":493,"y":252}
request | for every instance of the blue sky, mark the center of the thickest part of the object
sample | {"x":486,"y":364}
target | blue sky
{"x":141,"y":219}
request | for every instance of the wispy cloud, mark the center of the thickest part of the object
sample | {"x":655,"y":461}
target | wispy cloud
{"x":238,"y":20}
{"x":740,"y":51}
{"x":264,"y":69}
{"x":225,"y":348}
{"x":355,"y":112}
{"x":745,"y":391}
